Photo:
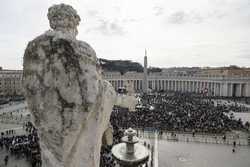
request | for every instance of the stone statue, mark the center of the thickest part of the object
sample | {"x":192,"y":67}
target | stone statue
{"x":69,"y":101}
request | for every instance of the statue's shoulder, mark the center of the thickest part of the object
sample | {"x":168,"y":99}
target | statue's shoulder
{"x":85,"y":48}
{"x":53,"y":40}
{"x":39,"y":40}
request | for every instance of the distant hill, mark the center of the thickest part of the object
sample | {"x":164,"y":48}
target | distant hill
{"x":154,"y":69}
{"x":124,"y":66}
{"x":121,"y":66}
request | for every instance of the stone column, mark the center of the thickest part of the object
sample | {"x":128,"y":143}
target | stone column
{"x":185,"y":86}
{"x":224,"y":88}
{"x":231,"y":89}
{"x":213,"y":88}
{"x":153,"y":84}
{"x":145,"y":74}
{"x":156,"y":84}
{"x":247,"y":89}
{"x":182,"y":86}
{"x":163,"y":84}
{"x":197,"y":86}
{"x":192,"y":86}
{"x":160,"y":84}
{"x":137,"y":85}
{"x":178,"y":85}
{"x":141,"y":85}
{"x":240,"y":90}
{"x":116,"y":85}
{"x":175,"y":85}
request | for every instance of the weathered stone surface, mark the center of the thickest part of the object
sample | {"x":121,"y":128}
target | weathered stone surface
{"x":66,"y":95}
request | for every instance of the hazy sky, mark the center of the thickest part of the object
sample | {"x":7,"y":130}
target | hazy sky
{"x":175,"y":32}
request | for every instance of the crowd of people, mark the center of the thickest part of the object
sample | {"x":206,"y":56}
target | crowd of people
{"x":178,"y":112}
{"x":22,"y":146}
{"x":233,"y":106}
{"x":106,"y":159}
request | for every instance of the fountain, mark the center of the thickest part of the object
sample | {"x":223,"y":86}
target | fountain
{"x":130,"y":153}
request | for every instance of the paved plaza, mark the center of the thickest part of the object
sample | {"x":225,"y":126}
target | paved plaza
{"x":13,"y":161}
{"x":183,"y":154}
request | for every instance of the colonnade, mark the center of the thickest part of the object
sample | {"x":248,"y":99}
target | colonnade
{"x":137,"y":84}
{"x":210,"y":87}
{"x":213,"y":88}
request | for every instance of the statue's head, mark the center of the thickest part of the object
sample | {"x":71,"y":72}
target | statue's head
{"x":63,"y":18}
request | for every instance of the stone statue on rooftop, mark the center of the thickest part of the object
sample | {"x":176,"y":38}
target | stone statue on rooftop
{"x":69,"y":101}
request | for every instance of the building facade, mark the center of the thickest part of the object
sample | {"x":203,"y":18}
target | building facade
{"x":226,"y":84}
{"x":11,"y":82}
{"x":212,"y":85}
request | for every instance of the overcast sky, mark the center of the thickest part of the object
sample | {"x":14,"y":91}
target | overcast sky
{"x":175,"y":32}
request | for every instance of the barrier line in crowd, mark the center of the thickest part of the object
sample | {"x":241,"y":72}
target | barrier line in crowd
{"x":156,"y":153}
{"x":198,"y":139}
